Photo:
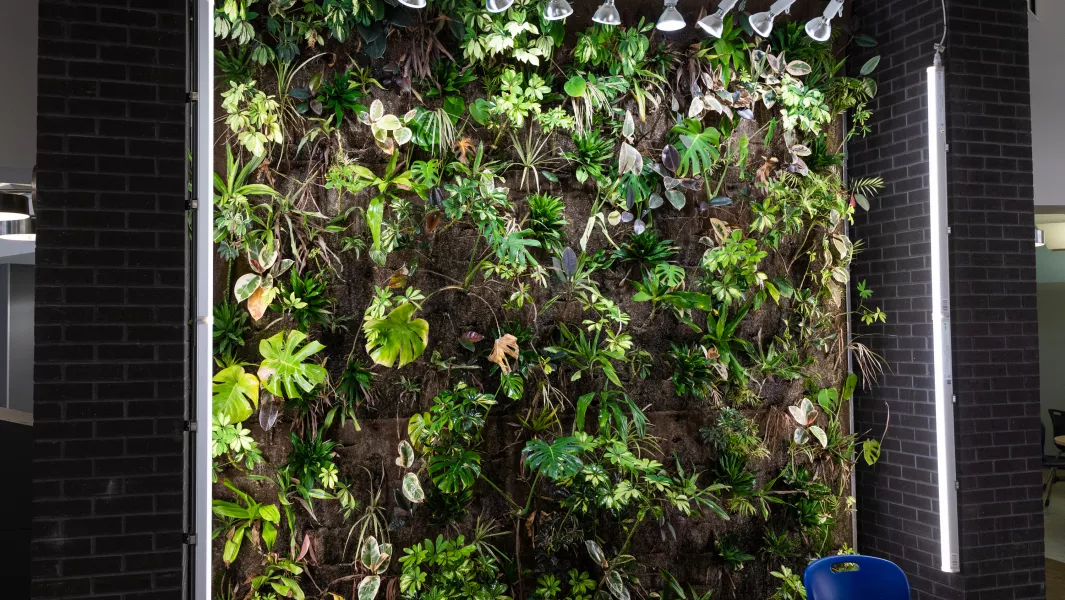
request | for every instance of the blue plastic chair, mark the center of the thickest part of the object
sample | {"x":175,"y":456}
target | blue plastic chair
{"x":874,"y":579}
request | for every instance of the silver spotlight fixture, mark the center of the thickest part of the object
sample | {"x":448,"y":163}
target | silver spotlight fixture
{"x":607,"y":14}
{"x":671,"y":19}
{"x":820,"y":28}
{"x":762,"y":23}
{"x":23,"y":230}
{"x":14,"y":207}
{"x":714,"y":24}
{"x":413,"y":3}
{"x":497,"y":6}
{"x":557,"y":9}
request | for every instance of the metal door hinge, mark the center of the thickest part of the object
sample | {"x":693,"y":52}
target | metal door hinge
{"x":190,"y":539}
{"x":191,"y":426}
{"x":192,"y":204}
{"x":192,"y":97}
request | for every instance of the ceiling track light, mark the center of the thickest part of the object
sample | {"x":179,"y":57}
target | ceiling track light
{"x":557,"y":10}
{"x":714,"y":24}
{"x":820,"y":28}
{"x":23,"y":230}
{"x":671,"y":19}
{"x":762,"y":23}
{"x":607,"y":14}
{"x":497,"y":6}
{"x":14,"y":207}
{"x":413,"y":3}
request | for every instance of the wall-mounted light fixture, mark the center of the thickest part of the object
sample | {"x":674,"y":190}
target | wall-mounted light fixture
{"x":557,"y":10}
{"x":942,"y":364}
{"x":413,"y":3}
{"x":820,"y":28}
{"x":762,"y":23}
{"x":1040,"y":238}
{"x":23,"y":230}
{"x":607,"y":14}
{"x":14,"y":207}
{"x":714,"y":24}
{"x":497,"y":6}
{"x":671,"y":19}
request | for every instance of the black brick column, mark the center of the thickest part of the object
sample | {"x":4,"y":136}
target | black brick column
{"x":110,"y":318}
{"x":995,"y":344}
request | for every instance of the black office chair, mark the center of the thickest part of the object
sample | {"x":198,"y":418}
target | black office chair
{"x":1049,"y":462}
{"x":1057,"y":425}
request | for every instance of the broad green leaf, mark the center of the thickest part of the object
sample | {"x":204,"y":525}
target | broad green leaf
{"x":269,"y":534}
{"x":375,"y":214}
{"x":616,"y":585}
{"x":870,"y":65}
{"x":820,"y":435}
{"x":246,"y":286}
{"x":269,"y":513}
{"x":871,"y":451}
{"x":236,"y":393}
{"x":412,"y":488}
{"x":596,"y":553}
{"x":398,"y":336}
{"x":368,"y":587}
{"x":558,"y":460}
{"x":576,"y":86}
{"x":283,"y":370}
{"x":405,"y":459}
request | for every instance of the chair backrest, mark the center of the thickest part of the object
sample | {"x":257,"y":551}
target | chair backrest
{"x":1057,"y":421}
{"x":873,"y":579}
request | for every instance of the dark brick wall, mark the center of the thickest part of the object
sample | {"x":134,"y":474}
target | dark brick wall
{"x":110,"y":334}
{"x":996,"y":345}
{"x":993,"y":300}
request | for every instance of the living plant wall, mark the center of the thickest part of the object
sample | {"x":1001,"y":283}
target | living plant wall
{"x":510,"y":308}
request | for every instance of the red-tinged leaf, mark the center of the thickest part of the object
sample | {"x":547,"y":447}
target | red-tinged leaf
{"x":432,"y":221}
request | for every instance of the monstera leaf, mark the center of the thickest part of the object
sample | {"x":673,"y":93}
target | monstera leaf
{"x":236,"y":393}
{"x":283,"y":371}
{"x":397,"y":337}
{"x":697,"y":147}
{"x":558,"y":460}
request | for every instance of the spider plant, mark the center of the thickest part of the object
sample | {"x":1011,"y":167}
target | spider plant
{"x":534,"y":155}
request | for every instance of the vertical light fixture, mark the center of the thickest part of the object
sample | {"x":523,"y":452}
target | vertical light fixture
{"x":497,"y":6}
{"x":1040,"y":238}
{"x":714,"y":24}
{"x":607,"y":14}
{"x":820,"y":28}
{"x":202,"y":303}
{"x":671,"y":19}
{"x":762,"y":23}
{"x":557,"y":10}
{"x":942,"y":364}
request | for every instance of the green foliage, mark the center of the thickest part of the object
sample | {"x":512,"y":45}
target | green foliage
{"x":233,"y":217}
{"x":253,"y":116}
{"x":518,"y":98}
{"x":396,"y":337}
{"x":235,"y":394}
{"x":591,"y":154}
{"x":509,"y":34}
{"x":547,"y":221}
{"x":340,"y":96}
{"x":306,"y":300}
{"x":557,"y":460}
{"x":244,"y":519}
{"x":229,"y":329}
{"x":280,"y":577}
{"x":283,"y":370}
{"x":449,"y":568}
{"x":698,"y":147}
{"x":694,"y":373}
{"x":310,"y":463}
